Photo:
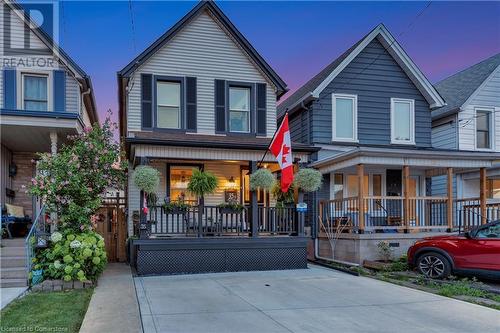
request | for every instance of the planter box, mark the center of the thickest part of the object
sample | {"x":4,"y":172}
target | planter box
{"x":377,"y":265}
{"x":230,"y":211}
{"x":176,"y":211}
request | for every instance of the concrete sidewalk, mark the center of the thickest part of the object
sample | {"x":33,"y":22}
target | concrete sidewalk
{"x":113,"y":307}
{"x":313,"y":300}
{"x":7,"y":295}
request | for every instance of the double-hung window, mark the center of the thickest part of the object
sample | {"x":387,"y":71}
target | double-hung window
{"x":35,"y":92}
{"x":168,"y":100}
{"x":483,"y":129}
{"x":344,"y":117}
{"x":239,"y":109}
{"x":402,"y":121}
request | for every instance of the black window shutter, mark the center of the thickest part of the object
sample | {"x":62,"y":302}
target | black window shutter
{"x":220,"y":106}
{"x":147,"y":100}
{"x":261,"y":109}
{"x":191,"y":103}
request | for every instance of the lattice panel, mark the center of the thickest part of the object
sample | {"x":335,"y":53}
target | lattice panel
{"x":219,"y":260}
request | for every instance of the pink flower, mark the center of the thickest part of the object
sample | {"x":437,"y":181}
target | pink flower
{"x":87,"y":129}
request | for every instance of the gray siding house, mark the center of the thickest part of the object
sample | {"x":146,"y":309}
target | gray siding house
{"x":471,"y":122}
{"x":370,"y":112}
{"x":201,"y":97}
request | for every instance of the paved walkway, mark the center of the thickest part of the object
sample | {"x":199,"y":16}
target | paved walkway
{"x":113,"y":307}
{"x":7,"y":295}
{"x":314,"y":300}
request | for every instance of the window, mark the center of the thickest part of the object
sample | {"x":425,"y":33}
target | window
{"x":402,"y":121}
{"x":483,"y":129}
{"x":492,"y":231}
{"x":344,"y":117}
{"x":353,"y":185}
{"x":168,"y":97}
{"x":179,"y":177}
{"x":493,"y":188}
{"x":377,"y":185}
{"x":338,"y":186}
{"x":239,"y":109}
{"x":35,"y":92}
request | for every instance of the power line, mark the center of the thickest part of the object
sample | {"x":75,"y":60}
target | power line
{"x":412,"y":22}
{"x":132,"y":25}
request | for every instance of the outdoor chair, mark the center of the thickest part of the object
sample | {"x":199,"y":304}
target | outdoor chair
{"x":14,"y":221}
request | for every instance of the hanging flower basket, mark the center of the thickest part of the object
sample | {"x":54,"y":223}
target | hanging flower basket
{"x":262,"y":179}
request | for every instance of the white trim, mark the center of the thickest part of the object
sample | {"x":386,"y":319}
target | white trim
{"x":20,"y":87}
{"x":491,"y":110}
{"x":418,"y":78}
{"x":411,"y":102}
{"x":481,"y":86}
{"x":354,"y":99}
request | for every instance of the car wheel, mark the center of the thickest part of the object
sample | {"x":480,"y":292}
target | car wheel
{"x":434,"y":265}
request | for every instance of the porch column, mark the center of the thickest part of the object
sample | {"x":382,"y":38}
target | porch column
{"x":482,"y":194}
{"x":406,"y":198}
{"x":253,"y":216}
{"x":361,"y":197}
{"x":449,"y":214}
{"x":53,"y":151}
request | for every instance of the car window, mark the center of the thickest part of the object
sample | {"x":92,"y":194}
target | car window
{"x":492,"y":231}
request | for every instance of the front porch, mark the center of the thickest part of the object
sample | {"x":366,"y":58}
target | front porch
{"x":233,"y":229}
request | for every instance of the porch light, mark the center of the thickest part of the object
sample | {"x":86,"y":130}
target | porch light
{"x":231,"y":183}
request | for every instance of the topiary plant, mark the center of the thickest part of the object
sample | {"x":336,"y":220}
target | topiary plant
{"x":308,"y":180}
{"x":202,"y":183}
{"x":262,"y":179}
{"x":147,"y":178}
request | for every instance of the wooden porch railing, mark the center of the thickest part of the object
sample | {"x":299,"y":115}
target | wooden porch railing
{"x":386,"y":213}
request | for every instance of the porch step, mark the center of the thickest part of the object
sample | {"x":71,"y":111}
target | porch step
{"x":16,"y":242}
{"x":13,"y":273}
{"x":9,"y":251}
{"x":13,"y":261}
{"x":11,"y":283}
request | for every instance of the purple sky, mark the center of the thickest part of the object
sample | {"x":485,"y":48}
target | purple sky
{"x":297,"y":38}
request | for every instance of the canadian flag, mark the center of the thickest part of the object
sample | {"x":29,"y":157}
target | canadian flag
{"x":281,"y":148}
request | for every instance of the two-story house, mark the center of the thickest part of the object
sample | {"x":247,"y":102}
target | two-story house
{"x":471,"y":122}
{"x":370,"y":112}
{"x":44,"y":97}
{"x":201,"y":97}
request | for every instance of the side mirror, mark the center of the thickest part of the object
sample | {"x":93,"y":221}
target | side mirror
{"x":468,"y":235}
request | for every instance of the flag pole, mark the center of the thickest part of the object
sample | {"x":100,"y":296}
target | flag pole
{"x":274,"y":135}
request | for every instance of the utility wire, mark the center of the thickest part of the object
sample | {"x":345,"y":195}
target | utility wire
{"x":412,"y":22}
{"x":132,"y":25}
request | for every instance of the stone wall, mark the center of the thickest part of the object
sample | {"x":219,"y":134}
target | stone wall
{"x":354,"y":248}
{"x":25,"y":170}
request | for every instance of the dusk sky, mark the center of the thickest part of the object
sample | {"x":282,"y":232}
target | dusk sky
{"x":296,"y":38}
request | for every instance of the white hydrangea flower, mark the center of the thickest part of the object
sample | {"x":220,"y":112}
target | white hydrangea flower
{"x":57,"y":264}
{"x":75,"y":244}
{"x":56,"y":237}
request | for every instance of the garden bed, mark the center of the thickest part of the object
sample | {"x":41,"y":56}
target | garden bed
{"x":60,"y":285}
{"x":47,"y":312}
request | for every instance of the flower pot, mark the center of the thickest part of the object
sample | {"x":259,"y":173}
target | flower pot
{"x":36,"y":277}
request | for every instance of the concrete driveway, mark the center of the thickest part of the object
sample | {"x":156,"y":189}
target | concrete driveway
{"x":312,"y":300}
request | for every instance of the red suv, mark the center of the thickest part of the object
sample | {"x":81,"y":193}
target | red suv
{"x":475,"y":252}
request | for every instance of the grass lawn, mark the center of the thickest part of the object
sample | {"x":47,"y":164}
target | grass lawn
{"x":46,"y":312}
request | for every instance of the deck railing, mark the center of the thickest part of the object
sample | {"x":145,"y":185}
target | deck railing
{"x":468,"y":213}
{"x":215,"y":221}
{"x":38,"y":228}
{"x":385,"y":213}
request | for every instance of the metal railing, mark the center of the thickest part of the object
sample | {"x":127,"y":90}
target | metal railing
{"x":468,"y":213}
{"x":217,"y":221}
{"x":38,"y":228}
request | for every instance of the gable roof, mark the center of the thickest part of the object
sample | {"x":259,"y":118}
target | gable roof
{"x":59,"y":53}
{"x":458,"y":88}
{"x":311,"y":89}
{"x":228,"y":26}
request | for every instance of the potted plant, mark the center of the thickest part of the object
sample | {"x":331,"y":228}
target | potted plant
{"x":283,"y":199}
{"x":230,"y":208}
{"x":176,"y":207}
{"x":201,"y":184}
{"x":262,"y":179}
{"x":308,"y":180}
{"x":146,"y":178}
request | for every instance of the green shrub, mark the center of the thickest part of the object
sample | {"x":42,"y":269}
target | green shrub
{"x":308,"y":180}
{"x":72,"y":256}
{"x":282,"y":199}
{"x":202,"y":183}
{"x":147,"y":178}
{"x":176,"y":206}
{"x":262,"y":179}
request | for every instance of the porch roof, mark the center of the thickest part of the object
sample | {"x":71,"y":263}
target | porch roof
{"x":435,"y":158}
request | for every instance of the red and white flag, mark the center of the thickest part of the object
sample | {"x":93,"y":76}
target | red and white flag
{"x":281,"y":148}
